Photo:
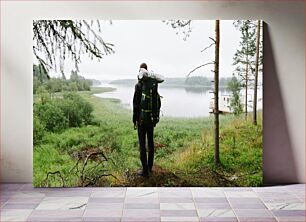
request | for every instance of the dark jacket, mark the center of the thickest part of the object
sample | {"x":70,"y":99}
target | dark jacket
{"x":136,"y":102}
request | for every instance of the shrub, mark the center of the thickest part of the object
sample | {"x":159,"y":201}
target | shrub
{"x":38,"y":130}
{"x":235,"y":104}
{"x":51,"y":116}
{"x":77,"y":110}
{"x":60,"y":113}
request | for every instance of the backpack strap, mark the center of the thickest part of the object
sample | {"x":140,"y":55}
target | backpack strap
{"x":145,"y":95}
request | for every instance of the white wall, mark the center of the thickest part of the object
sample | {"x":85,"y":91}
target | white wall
{"x":284,"y":81}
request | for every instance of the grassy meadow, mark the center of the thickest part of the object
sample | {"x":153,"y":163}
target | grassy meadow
{"x":106,"y":151}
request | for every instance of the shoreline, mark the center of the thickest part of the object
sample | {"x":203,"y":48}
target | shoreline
{"x":103,"y":89}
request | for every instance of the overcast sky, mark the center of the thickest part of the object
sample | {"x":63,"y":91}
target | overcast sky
{"x":158,"y":45}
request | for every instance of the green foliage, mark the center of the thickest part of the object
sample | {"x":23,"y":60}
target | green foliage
{"x":240,"y":155}
{"x":38,"y":130}
{"x":36,"y":84}
{"x":54,"y":85}
{"x":81,"y":83}
{"x":72,"y":87}
{"x":51,"y":116}
{"x":48,"y":159}
{"x":42,"y":94}
{"x":235,"y":104}
{"x":77,"y":110}
{"x":60,"y":113}
{"x":82,"y":137}
{"x":42,"y":83}
{"x":223,"y":81}
{"x":40,"y":73}
{"x":40,"y":76}
{"x":183,"y":146}
{"x":247,"y":42}
{"x":245,"y":54}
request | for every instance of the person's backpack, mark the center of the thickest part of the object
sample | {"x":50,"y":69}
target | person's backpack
{"x":150,"y":101}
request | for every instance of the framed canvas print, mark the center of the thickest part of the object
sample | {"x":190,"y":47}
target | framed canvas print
{"x":171,"y":103}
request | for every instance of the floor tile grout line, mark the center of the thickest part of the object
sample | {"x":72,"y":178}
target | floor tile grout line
{"x":23,"y":186}
{"x":42,"y":199}
{"x":198,"y":214}
{"x":5,"y":202}
{"x":260,"y":199}
{"x":253,"y":190}
{"x":158,"y":195}
{"x":26,"y":219}
{"x":292,"y":192}
{"x":36,"y":206}
{"x":265,"y":205}
{"x":8,"y":198}
{"x":230,"y":205}
{"x":91,"y":191}
{"x":123,"y":207}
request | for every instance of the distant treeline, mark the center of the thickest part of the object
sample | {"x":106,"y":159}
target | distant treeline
{"x":95,"y":82}
{"x":41,"y":79}
{"x":194,"y":81}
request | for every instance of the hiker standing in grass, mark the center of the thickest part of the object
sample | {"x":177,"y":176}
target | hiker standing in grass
{"x":146,"y":107}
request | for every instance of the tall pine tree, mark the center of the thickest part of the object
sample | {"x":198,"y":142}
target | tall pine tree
{"x":216,"y":98}
{"x":244,"y":58}
{"x":258,"y":62}
{"x":181,"y":24}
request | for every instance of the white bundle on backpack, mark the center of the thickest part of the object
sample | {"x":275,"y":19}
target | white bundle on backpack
{"x":143,"y":73}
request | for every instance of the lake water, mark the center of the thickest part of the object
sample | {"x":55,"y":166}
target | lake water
{"x":175,"y":102}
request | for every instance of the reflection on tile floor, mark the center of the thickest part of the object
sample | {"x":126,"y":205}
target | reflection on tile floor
{"x":22,"y":202}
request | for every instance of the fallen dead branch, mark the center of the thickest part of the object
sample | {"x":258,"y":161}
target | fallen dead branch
{"x":87,"y":174}
{"x":54,"y":173}
{"x":90,"y":175}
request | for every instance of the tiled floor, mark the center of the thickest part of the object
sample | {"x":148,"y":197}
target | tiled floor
{"x":22,"y":202}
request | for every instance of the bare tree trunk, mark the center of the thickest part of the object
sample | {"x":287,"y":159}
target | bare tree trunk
{"x":216,"y":99}
{"x":256,"y":75}
{"x":246,"y":76}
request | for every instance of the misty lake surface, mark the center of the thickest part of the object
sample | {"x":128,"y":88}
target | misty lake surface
{"x":175,"y":102}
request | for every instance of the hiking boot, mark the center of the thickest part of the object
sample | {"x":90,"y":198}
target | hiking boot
{"x":142,"y":173}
